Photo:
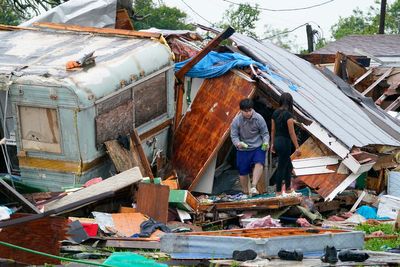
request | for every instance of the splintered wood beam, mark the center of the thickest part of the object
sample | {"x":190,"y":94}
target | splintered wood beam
{"x":105,"y":31}
{"x":337,"y":67}
{"x":211,"y":45}
{"x":180,"y":88}
{"x":140,"y":152}
{"x":372,"y":86}
{"x":362,"y":77}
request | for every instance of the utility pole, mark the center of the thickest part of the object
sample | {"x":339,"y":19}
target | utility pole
{"x":382,"y":17}
{"x":310,"y":38}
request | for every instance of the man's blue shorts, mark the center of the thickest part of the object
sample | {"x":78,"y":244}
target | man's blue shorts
{"x":245,"y":160}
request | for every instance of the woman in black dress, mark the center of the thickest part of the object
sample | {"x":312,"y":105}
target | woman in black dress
{"x":282,"y":135}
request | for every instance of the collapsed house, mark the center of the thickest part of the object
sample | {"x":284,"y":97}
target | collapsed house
{"x":91,"y":86}
{"x":370,"y":63}
{"x":59,"y":118}
{"x":348,"y":133}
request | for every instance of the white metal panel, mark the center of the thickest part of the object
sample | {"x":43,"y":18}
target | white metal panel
{"x":312,"y":170}
{"x":315,"y":162}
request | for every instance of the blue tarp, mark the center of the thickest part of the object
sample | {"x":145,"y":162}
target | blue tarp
{"x":217,"y":64}
{"x":370,"y":213}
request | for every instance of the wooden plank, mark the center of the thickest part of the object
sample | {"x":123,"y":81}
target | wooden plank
{"x":123,"y":21}
{"x":256,"y":204}
{"x":211,"y":45}
{"x":152,"y":200}
{"x":109,"y":185}
{"x":105,"y":31}
{"x":122,"y":158}
{"x":206,"y":126}
{"x":360,"y":198}
{"x":15,"y":28}
{"x":337,"y":69}
{"x":44,"y":235}
{"x":372,"y":86}
{"x":138,"y":150}
{"x":14,"y":195}
{"x":362,"y":77}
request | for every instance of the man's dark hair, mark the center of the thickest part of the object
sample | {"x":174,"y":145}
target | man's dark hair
{"x":246,"y":104}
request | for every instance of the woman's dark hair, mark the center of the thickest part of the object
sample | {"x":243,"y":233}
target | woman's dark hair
{"x":246,"y":104}
{"x":286,"y":102}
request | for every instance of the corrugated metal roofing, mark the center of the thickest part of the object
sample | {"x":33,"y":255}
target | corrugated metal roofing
{"x":45,"y":54}
{"x":321,"y":98}
{"x":377,"y":45}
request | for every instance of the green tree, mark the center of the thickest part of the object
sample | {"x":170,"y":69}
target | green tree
{"x":361,"y":22}
{"x":7,"y":14}
{"x":28,"y":8}
{"x":161,"y":16}
{"x":243,"y":19}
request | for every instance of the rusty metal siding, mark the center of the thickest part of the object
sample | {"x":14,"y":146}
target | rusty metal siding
{"x":204,"y":128}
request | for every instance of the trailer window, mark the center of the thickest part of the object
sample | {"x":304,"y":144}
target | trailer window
{"x":39,"y":129}
{"x":150,"y":98}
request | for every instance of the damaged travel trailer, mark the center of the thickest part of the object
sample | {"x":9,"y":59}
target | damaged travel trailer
{"x":59,"y":118}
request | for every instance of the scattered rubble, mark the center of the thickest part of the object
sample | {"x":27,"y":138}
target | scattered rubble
{"x":128,"y":160}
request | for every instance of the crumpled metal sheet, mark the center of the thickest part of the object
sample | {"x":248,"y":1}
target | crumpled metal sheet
{"x":88,"y":13}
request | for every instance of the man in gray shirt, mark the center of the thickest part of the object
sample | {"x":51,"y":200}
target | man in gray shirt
{"x":250,"y":136}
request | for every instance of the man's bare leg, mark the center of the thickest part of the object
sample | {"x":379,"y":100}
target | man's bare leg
{"x":257,"y":172}
{"x":244,"y":182}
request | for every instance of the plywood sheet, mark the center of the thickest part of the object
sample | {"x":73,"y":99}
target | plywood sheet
{"x":128,"y":224}
{"x":204,"y":128}
{"x":152,"y":200}
{"x":324,"y":184}
{"x":122,"y":158}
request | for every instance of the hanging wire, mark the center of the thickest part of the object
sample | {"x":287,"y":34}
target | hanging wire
{"x":194,"y":11}
{"x":284,"y":9}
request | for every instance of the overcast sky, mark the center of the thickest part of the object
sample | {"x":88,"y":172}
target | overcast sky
{"x":323,"y":16}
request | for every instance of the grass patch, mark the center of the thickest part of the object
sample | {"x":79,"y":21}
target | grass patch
{"x":379,"y":244}
{"x":387,"y":228}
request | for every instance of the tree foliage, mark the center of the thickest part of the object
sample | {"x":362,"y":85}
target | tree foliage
{"x":25,"y":9}
{"x":161,"y":16}
{"x":7,"y":14}
{"x":243,"y":19}
{"x":361,"y":22}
